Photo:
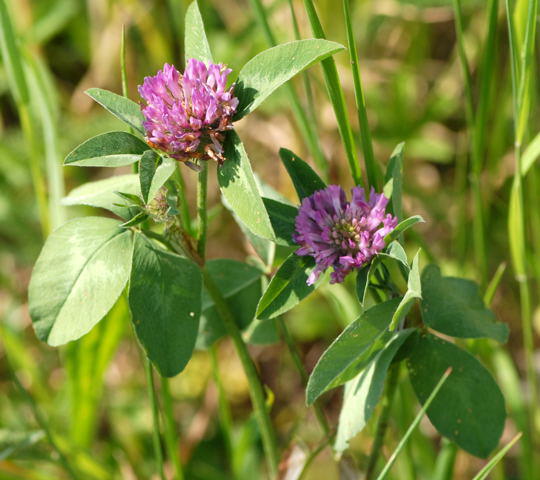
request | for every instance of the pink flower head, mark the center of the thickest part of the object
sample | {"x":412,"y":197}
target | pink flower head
{"x":341,"y":234}
{"x":186,"y":114}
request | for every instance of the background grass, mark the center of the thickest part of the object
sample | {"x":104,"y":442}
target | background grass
{"x":442,"y":86}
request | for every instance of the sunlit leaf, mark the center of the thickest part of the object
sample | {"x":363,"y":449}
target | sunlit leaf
{"x":112,"y":149}
{"x":121,"y":107}
{"x":271,"y":68}
{"x":80,"y":273}
{"x":352,"y":350}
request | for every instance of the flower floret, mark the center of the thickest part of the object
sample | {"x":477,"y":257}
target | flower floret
{"x":341,"y":234}
{"x":187,"y":114}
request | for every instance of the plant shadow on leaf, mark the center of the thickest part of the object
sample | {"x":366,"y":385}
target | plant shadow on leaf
{"x":239,"y":188}
{"x":288,"y":287}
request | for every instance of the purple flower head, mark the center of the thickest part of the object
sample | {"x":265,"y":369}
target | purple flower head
{"x":341,"y":234}
{"x":186,"y":114}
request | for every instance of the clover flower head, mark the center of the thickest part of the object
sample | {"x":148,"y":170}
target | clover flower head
{"x":341,"y":234}
{"x":187,"y":114}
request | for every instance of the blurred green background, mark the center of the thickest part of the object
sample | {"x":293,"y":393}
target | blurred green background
{"x":91,"y":394}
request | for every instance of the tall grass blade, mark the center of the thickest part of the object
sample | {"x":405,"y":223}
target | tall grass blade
{"x":305,"y":74}
{"x":530,"y":155}
{"x":39,"y":82}
{"x":306,"y":127}
{"x":170,"y":430}
{"x":476,"y":122}
{"x":44,"y":425}
{"x":337,"y":97}
{"x":522,"y":70}
{"x":156,"y":436}
{"x":494,"y":284}
{"x":12,"y":57}
{"x":482,"y":474}
{"x":374,"y":175}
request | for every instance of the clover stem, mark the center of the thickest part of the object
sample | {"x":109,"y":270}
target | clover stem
{"x":156,"y":441}
{"x":256,"y":388}
{"x":171,"y":435}
{"x":202,"y":216}
{"x":295,"y":354}
{"x":224,"y":408}
{"x":382,"y":423}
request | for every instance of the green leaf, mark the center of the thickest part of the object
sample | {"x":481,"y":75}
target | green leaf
{"x":79,"y":275}
{"x":469,"y":409}
{"x":161,"y":175}
{"x":231,"y":277}
{"x":394,"y":174}
{"x":282,"y":217}
{"x":195,"y":41}
{"x":414,"y":292}
{"x":531,"y":153}
{"x":305,"y":180}
{"x":13,"y":61}
{"x":363,"y":392}
{"x":103,"y":193}
{"x":239,"y":188}
{"x":402,"y":227}
{"x":121,"y":107}
{"x":15,"y":443}
{"x":147,"y":169}
{"x":352,"y":350}
{"x":262,"y":333}
{"x":287,"y":288}
{"x":165,"y":303}
{"x":240,"y":285}
{"x":396,"y":252}
{"x":271,"y":68}
{"x":454,"y":306}
{"x":112,"y":149}
{"x":131,"y":199}
{"x":362,"y":282}
{"x":135,"y":220}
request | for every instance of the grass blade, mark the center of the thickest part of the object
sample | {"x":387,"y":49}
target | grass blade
{"x":482,"y":474}
{"x":373,"y":171}
{"x":306,"y":127}
{"x":38,"y":80}
{"x":414,"y":424}
{"x":337,"y":97}
{"x":522,"y":73}
{"x":13,"y":62}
